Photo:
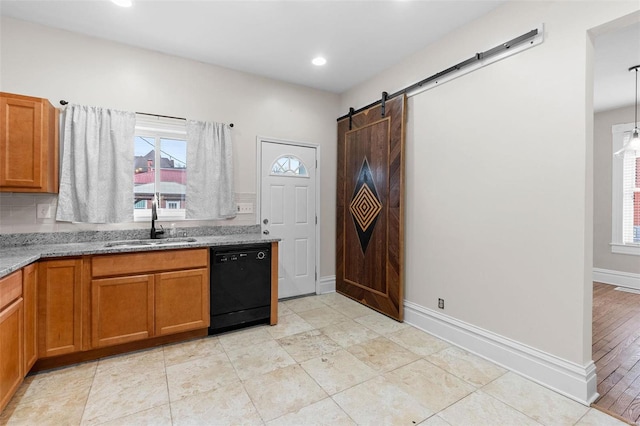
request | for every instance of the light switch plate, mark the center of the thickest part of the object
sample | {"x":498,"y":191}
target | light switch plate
{"x":245,"y":208}
{"x":44,"y":211}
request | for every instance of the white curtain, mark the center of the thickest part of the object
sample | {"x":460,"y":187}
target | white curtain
{"x":96,"y":181}
{"x":210,"y":193}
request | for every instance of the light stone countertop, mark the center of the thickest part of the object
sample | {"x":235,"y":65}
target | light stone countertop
{"x":14,"y":258}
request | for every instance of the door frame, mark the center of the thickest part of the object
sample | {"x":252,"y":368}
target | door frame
{"x":259,"y":141}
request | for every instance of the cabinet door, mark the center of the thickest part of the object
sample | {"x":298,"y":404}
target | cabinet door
{"x":182,"y":301}
{"x":59,"y":307}
{"x":11,"y":360}
{"x":21,"y":142}
{"x":29,"y":280}
{"x":29,"y":144}
{"x":121,"y":310}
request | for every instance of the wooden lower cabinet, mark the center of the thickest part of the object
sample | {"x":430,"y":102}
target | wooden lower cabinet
{"x":59,"y":307}
{"x":30,"y":296}
{"x":121,"y":310}
{"x":11,"y":351}
{"x":182,"y":301}
{"x":135,"y":296}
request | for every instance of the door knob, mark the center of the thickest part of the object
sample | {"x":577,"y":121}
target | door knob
{"x":265,"y":221}
{"x":265,"y":232}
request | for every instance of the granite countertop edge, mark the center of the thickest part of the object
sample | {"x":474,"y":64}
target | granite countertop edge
{"x":14,"y":258}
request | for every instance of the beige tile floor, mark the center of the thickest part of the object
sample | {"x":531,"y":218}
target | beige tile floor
{"x":329,"y":361}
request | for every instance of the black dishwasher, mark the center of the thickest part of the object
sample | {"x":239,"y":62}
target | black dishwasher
{"x":240,"y":286}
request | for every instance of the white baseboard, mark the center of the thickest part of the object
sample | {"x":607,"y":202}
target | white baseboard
{"x":575,"y":381}
{"x":619,"y":278}
{"x":327,"y":284}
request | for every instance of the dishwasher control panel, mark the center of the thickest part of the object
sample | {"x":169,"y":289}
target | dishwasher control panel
{"x":241,"y":256}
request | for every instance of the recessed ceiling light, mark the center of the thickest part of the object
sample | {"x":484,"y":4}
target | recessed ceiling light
{"x":123,"y":3}
{"x":319,"y":61}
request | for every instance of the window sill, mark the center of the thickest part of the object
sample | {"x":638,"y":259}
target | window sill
{"x":632,"y":249}
{"x":164,"y":215}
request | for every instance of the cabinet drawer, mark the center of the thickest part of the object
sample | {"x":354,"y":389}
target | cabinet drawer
{"x":148,"y":262}
{"x":10,"y":288}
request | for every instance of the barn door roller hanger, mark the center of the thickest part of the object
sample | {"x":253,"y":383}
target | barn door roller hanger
{"x":480,"y":59}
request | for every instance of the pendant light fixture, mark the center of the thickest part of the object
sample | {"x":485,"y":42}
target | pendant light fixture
{"x":632,"y":145}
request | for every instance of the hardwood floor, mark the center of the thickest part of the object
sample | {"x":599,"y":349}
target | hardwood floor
{"x":616,"y":350}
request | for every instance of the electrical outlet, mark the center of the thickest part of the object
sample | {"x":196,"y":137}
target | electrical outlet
{"x":441,"y":303}
{"x":245,"y":208}
{"x":43,"y":211}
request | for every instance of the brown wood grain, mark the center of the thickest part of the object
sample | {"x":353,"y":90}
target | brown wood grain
{"x":616,"y":350}
{"x":273,"y":317}
{"x":122,"y":310}
{"x":29,"y":144}
{"x":110,"y":265}
{"x":11,"y":361}
{"x":181,"y":301}
{"x":59,"y":306}
{"x":29,"y":293}
{"x":10,"y":288}
{"x":373,"y":277}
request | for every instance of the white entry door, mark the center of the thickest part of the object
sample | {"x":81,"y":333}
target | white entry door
{"x":288,"y":212}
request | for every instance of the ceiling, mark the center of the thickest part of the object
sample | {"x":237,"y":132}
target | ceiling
{"x":277,"y":39}
{"x":615,"y":52}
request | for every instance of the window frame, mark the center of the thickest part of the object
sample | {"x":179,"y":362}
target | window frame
{"x":618,"y":245}
{"x":159,"y":128}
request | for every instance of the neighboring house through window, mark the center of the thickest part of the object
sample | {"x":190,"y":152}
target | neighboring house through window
{"x":160,"y":167}
{"x":625,"y":196}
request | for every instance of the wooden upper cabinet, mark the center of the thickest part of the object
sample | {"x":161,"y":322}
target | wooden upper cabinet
{"x":29,"y":146}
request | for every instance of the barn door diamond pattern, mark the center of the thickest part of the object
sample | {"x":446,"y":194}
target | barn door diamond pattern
{"x":365,"y":205}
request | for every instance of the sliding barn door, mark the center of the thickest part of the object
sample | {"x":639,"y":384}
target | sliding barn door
{"x":369,"y":225}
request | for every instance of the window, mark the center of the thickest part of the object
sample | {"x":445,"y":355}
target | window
{"x":289,"y":165}
{"x":160,"y":151}
{"x":625,"y":196}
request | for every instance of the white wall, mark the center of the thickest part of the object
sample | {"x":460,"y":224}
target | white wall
{"x":499,"y":178}
{"x":603,"y":258}
{"x":55,"y":64}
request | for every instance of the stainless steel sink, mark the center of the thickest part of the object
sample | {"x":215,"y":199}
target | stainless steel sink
{"x":165,"y":241}
{"x":149,"y":242}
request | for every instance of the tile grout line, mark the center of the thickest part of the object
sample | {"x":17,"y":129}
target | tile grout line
{"x":166,"y":379}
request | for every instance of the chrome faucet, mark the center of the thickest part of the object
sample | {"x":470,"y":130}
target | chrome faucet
{"x":154,"y":216}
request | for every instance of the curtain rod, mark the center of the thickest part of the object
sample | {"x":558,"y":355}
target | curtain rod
{"x":63,"y":102}
{"x":478,"y":56}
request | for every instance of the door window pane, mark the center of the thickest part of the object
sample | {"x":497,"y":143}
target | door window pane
{"x":289,"y":165}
